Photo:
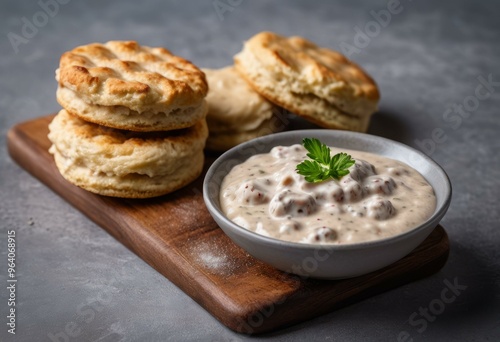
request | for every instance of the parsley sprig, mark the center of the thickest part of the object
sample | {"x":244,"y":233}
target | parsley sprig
{"x":323,"y":166}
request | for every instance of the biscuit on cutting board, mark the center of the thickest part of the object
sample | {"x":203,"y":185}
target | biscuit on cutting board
{"x":126,"y":164}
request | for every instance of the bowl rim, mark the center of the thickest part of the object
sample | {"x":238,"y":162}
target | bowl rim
{"x":215,"y":210}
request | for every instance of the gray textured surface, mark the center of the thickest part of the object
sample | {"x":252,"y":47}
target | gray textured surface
{"x":427,"y":59}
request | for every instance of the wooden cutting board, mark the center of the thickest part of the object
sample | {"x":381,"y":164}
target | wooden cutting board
{"x":176,"y":235}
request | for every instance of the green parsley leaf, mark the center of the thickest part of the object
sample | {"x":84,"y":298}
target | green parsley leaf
{"x":323,"y":166}
{"x":313,"y":171}
{"x":317,"y":151}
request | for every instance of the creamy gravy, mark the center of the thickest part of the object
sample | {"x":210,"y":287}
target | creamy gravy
{"x":379,"y":198}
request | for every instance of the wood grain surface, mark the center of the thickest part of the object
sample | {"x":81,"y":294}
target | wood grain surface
{"x":176,"y":235}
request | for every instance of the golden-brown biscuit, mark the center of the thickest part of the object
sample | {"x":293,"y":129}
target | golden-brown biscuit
{"x":236,"y":112}
{"x":124,"y":85}
{"x":127,"y":164}
{"x":316,"y":83}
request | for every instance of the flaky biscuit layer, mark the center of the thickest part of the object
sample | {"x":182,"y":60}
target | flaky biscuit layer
{"x":317,"y":83}
{"x":126,"y":164}
{"x":124,"y":118}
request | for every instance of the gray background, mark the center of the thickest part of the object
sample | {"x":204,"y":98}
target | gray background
{"x":427,"y":59}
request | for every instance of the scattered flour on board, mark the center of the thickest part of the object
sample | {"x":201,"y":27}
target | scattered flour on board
{"x":214,"y":258}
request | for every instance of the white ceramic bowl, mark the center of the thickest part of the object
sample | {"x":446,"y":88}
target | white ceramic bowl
{"x":328,"y":261}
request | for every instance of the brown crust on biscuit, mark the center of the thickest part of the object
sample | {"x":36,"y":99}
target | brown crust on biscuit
{"x":316,"y":83}
{"x":123,"y":73}
{"x":324,"y":65}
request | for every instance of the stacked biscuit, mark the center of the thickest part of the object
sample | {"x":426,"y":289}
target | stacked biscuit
{"x":293,"y":73}
{"x":133,"y":123}
{"x":236,"y":113}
